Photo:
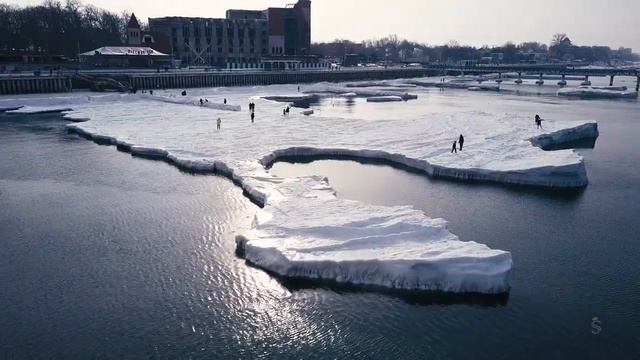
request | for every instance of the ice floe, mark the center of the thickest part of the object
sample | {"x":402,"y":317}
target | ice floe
{"x":598,"y":92}
{"x":304,"y":229}
{"x":388,"y":98}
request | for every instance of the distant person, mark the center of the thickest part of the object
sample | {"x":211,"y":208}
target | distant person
{"x":288,"y":109}
{"x":184,"y":92}
{"x":461,"y":141}
{"x":150,"y":92}
{"x":201,"y":102}
{"x":284,"y":112}
{"x":253,"y":116}
{"x":298,"y":88}
{"x":454,"y":149}
{"x":218,"y":123}
{"x":539,"y":121}
{"x":225,"y":101}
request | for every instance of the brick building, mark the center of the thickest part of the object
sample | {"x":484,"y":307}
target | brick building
{"x":243,"y":39}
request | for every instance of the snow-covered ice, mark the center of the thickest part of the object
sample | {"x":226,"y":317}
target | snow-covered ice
{"x":184,"y":100}
{"x":39,"y":109}
{"x":462,"y":83}
{"x":388,"y":98}
{"x":597,"y":92}
{"x":309,"y":232}
{"x":326,"y":88}
{"x":289,"y":98}
{"x":292,"y":235}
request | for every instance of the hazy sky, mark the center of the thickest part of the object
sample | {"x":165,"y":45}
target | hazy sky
{"x":474,"y":22}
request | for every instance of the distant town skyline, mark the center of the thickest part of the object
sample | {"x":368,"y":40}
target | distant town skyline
{"x":469,"y":22}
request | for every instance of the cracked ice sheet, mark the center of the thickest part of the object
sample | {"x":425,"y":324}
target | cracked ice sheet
{"x":497,"y":148}
{"x":388,"y":246}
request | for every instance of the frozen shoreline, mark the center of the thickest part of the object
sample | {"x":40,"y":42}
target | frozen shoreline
{"x":359,"y":243}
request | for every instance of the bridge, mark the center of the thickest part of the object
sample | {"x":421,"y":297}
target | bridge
{"x":541,"y":69}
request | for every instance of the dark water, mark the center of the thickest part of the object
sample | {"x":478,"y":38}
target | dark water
{"x":103,"y":255}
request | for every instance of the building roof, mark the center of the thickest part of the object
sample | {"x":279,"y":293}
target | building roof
{"x":123,"y":51}
{"x":133,"y":22}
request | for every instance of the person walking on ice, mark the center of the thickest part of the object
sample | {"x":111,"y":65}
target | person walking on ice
{"x":218,"y":123}
{"x":454,"y":149}
{"x":539,"y":121}
{"x":461,"y":141}
{"x":253,"y":116}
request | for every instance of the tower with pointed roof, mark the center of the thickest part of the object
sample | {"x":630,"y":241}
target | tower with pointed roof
{"x":134,"y":33}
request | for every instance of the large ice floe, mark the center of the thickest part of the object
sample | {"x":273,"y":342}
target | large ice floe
{"x":303,"y":229}
{"x":202,"y":102}
{"x":463,"y":83}
{"x":348,"y":92}
{"x":598,"y":92}
{"x":389,"y":98}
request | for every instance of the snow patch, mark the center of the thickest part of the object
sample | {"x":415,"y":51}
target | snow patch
{"x":597,"y":92}
{"x":289,"y":98}
{"x":183,"y":100}
{"x":384,"y":98}
{"x":39,"y":110}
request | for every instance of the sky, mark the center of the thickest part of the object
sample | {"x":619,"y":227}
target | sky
{"x":470,"y":22}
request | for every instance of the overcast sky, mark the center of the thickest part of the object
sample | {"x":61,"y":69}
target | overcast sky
{"x":474,"y":22}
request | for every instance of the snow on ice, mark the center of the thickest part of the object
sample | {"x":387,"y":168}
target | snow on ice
{"x":397,"y":247}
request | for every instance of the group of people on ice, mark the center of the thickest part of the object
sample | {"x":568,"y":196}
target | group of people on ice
{"x":458,"y":144}
{"x":460,"y":141}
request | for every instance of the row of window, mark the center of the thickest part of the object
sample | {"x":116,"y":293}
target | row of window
{"x":231,"y":32}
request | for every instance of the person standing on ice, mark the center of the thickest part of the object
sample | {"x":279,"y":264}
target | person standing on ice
{"x":284,"y":112}
{"x":454,"y":149}
{"x":225,"y":101}
{"x":461,"y":141}
{"x":218,"y":123}
{"x":253,"y":116}
{"x":538,"y":122}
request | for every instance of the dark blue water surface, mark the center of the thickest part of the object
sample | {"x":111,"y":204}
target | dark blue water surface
{"x":103,"y":255}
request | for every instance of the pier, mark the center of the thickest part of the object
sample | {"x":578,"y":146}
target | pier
{"x":541,"y":70}
{"x":193,"y":79}
{"x":220,"y":79}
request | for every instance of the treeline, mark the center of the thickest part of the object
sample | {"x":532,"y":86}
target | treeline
{"x":561,"y":49}
{"x":59,"y":28}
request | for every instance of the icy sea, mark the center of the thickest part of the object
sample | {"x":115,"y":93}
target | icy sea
{"x":108,"y":256}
